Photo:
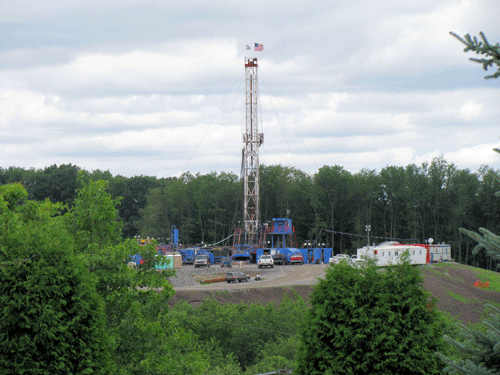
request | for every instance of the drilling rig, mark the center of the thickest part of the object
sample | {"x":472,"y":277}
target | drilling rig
{"x":252,"y":140}
{"x":250,"y":242}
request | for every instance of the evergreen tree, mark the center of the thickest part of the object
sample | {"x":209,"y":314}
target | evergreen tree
{"x":370,"y":321}
{"x":492,"y":52}
{"x":483,"y":348}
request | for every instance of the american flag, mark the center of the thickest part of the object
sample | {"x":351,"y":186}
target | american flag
{"x":259,"y":47}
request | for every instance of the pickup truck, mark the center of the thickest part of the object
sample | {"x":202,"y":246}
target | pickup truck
{"x":236,"y":277}
{"x":266,"y":261}
{"x":201,"y":261}
{"x":279,"y":259}
{"x":297,"y":258}
{"x":337,"y":258}
{"x":358,"y":263}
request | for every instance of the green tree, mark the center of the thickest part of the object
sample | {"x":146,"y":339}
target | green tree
{"x":333,"y":202}
{"x":370,"y":321}
{"x":276,"y":355}
{"x":203,"y":207}
{"x":482,"y":347}
{"x":57,"y":183}
{"x":143,"y":339}
{"x":52,"y":320}
{"x":394,"y":194}
{"x":244,"y":330}
{"x":133,"y":191}
{"x":491,"y":52}
{"x":94,"y":216}
{"x":16,"y":174}
{"x":366,"y":186}
{"x":463,"y":197}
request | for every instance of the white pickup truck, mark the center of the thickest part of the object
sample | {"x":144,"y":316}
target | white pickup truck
{"x":201,"y":261}
{"x":266,"y":261}
{"x":337,"y":258}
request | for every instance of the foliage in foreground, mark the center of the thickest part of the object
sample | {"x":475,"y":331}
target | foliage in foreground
{"x":52,"y":319}
{"x":69,"y":302}
{"x":491,"y":52}
{"x":482,"y":348}
{"x":247,"y":330}
{"x":364,"y":321}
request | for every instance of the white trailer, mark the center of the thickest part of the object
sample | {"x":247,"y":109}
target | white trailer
{"x":389,"y":253}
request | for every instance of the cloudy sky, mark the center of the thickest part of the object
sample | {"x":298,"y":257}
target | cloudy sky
{"x":157,"y":87}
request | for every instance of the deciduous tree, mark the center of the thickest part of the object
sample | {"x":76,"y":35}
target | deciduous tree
{"x":51,"y":318}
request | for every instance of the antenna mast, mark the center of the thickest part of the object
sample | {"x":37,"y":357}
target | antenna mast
{"x":252,"y":140}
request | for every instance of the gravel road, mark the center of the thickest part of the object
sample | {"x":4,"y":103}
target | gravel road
{"x":189,"y":278}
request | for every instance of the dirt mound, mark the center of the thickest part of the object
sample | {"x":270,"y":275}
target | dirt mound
{"x":263,"y":295}
{"x":452,"y":285}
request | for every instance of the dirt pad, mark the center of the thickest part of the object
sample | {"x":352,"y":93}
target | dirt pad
{"x":447,"y":283}
{"x":442,"y":282}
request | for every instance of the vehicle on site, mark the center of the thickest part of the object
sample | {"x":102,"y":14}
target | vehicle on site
{"x":265,"y":260}
{"x":226,"y":262}
{"x":357,"y":262}
{"x":201,"y":261}
{"x":337,"y":258}
{"x":279,"y":258}
{"x":296,"y":258}
{"x":237,"y":277}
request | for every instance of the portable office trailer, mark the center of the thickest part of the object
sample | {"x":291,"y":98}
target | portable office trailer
{"x":388,"y":254}
{"x":440,"y":252}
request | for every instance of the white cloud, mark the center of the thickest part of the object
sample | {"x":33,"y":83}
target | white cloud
{"x":351,"y":83}
{"x":476,"y":156}
{"x":471,"y":110}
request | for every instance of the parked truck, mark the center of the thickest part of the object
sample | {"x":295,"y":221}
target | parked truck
{"x":265,"y":260}
{"x":201,"y":260}
{"x":297,"y":258}
{"x":279,"y":259}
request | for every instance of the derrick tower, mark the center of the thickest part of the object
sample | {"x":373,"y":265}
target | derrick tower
{"x":252,"y":140}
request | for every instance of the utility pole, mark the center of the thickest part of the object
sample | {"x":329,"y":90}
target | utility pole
{"x":368,"y":228}
{"x":252,"y":140}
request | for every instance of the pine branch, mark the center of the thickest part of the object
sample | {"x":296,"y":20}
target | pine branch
{"x":492,"y":52}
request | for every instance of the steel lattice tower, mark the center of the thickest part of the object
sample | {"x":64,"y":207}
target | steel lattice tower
{"x":252,"y":140}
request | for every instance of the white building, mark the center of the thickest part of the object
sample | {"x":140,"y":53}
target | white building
{"x":389,"y":253}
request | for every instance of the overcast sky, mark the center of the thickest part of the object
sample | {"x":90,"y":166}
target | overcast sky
{"x":157,"y":87}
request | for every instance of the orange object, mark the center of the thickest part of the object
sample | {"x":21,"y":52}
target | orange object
{"x":480,"y":284}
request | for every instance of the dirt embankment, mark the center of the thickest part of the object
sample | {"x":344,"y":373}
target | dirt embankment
{"x":451,"y":285}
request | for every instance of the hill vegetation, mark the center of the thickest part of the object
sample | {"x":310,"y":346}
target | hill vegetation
{"x":64,"y":277}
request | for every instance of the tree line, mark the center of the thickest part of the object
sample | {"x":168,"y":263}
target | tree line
{"x":330,"y":208}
